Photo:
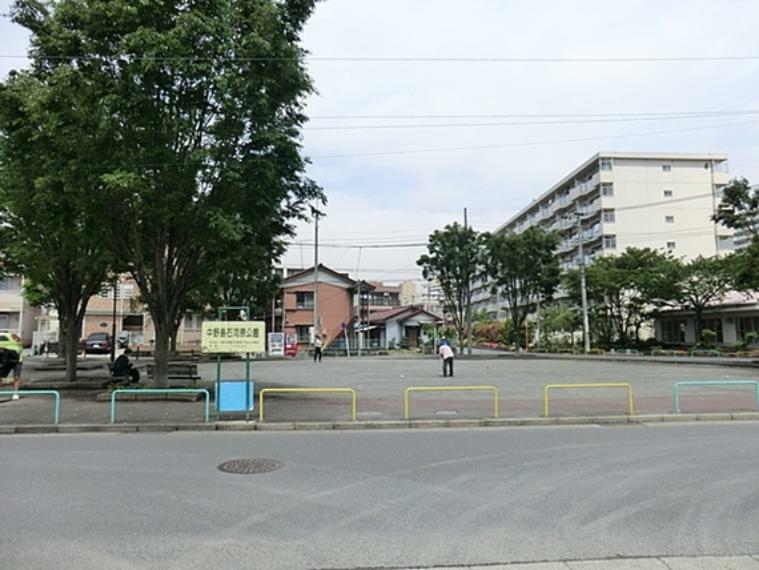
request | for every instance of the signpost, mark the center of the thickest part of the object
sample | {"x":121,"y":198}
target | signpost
{"x":234,"y":337}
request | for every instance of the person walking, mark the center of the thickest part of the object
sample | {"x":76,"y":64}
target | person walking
{"x":446,"y":355}
{"x":11,"y":358}
{"x":318,"y":348}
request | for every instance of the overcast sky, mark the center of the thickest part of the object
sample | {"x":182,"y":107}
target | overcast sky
{"x":392,"y":196}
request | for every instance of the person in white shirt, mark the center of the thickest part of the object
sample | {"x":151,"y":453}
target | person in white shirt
{"x":318,"y":348}
{"x":446,"y":355}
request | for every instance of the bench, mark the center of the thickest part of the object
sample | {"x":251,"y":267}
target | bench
{"x":179,"y":371}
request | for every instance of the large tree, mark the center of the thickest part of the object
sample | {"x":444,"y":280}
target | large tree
{"x":204,"y":101}
{"x":739,"y":210}
{"x":701,"y":282}
{"x":51,"y":198}
{"x":625,"y":291}
{"x":525,"y":270}
{"x":453,"y":259}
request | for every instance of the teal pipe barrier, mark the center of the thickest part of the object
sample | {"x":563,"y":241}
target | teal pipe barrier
{"x":160,"y":391}
{"x":676,"y":389}
{"x":56,"y":396}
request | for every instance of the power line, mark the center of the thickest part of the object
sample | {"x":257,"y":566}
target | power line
{"x":527,"y":123}
{"x":529,"y":143}
{"x":529,"y":115}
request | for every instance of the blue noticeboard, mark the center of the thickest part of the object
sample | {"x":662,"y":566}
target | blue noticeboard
{"x":235,"y":396}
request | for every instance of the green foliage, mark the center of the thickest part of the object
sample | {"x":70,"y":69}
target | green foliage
{"x":556,"y":323}
{"x":454,"y":260}
{"x":739,"y":207}
{"x":524,"y":268}
{"x":708,"y":336}
{"x":625,"y":292}
{"x":194,"y":143}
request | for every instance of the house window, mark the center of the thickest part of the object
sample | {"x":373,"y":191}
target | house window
{"x":10,"y":283}
{"x":607,"y":189}
{"x":671,"y":245}
{"x":669,"y":219}
{"x":666,"y":167}
{"x":127,"y":291}
{"x":725,"y":243}
{"x":303,"y":332}
{"x":304,"y":300}
{"x":105,"y":291}
{"x":673,"y":331}
{"x":606,"y":164}
{"x":608,"y":216}
{"x":4,"y":322}
{"x":714,"y":325}
{"x":610,"y":242}
{"x":745,"y":325}
{"x":668,"y":193}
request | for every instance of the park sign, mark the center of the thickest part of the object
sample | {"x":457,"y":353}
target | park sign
{"x":233,"y":336}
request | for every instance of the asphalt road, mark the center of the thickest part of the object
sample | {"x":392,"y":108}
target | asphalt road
{"x":378,"y":499}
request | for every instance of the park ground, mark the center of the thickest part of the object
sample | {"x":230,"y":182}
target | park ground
{"x":380,"y":383}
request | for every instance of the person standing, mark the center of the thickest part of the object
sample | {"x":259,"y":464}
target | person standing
{"x":318,"y":348}
{"x":10,"y":359}
{"x":446,"y":355}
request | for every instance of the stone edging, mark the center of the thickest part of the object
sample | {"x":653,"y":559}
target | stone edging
{"x":369,"y":425}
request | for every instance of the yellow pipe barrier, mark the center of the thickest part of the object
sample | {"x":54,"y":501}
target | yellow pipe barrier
{"x":261,"y":394}
{"x":630,"y":400}
{"x":410,"y":389}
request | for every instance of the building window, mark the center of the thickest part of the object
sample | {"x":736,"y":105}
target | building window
{"x":747,"y":325}
{"x":127,"y":291}
{"x":105,"y":291}
{"x":713,"y":325}
{"x":303,"y":332}
{"x":719,"y":191}
{"x":304,"y":300}
{"x":671,"y":246}
{"x":610,"y":242}
{"x":669,"y":219}
{"x":668,"y":193}
{"x":4,"y":322}
{"x":606,"y":164}
{"x":10,"y":283}
{"x":673,"y":331}
{"x":725,"y":243}
{"x":608,"y":217}
{"x":666,"y":167}
{"x":607,"y":189}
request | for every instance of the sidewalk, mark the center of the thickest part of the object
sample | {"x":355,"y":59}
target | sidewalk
{"x":653,"y":563}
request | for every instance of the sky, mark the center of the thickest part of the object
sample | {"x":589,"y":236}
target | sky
{"x":394,"y":186}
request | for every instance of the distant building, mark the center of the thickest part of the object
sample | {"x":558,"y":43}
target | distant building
{"x":17,"y":316}
{"x":662,"y":201}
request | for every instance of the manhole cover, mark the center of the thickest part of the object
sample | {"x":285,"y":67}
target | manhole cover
{"x":250,"y":466}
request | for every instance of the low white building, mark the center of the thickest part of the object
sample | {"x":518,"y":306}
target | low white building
{"x":16,"y":314}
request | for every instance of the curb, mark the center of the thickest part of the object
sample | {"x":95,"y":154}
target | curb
{"x":375,"y":425}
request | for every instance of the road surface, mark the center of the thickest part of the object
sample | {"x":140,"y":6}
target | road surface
{"x":389,"y":499}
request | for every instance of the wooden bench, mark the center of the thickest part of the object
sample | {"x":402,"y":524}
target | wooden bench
{"x":179,"y":371}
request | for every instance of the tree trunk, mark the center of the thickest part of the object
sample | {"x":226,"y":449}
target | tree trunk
{"x":68,"y":343}
{"x":161,"y":354}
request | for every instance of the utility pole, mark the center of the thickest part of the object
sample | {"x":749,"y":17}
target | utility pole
{"x":583,"y":290}
{"x":468,"y":305}
{"x":113,"y":321}
{"x":316,"y":273}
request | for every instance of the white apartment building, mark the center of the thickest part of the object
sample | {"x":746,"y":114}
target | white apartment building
{"x":16,"y":314}
{"x":628,"y":199}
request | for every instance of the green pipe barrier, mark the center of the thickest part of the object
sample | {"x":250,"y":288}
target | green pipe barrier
{"x":160,"y":391}
{"x":56,"y":396}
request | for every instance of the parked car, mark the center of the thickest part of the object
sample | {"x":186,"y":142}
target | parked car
{"x":98,"y":343}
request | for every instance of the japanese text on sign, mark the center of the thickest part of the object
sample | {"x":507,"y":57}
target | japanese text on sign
{"x":233,"y":336}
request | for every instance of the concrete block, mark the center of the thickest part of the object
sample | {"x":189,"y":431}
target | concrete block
{"x":386,"y":424}
{"x":78,"y":428}
{"x":650,"y":418}
{"x":430,"y":423}
{"x":750,"y":416}
{"x":615,"y":420}
{"x":314,"y":425}
{"x":118,"y":428}
{"x":237,"y":425}
{"x":37,"y":428}
{"x":679,"y":417}
{"x":4,"y":430}
{"x":466,"y":423}
{"x":156,"y":427}
{"x":715,"y":417}
{"x":349,"y":425}
{"x":196,"y":427}
{"x":275,"y":426}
